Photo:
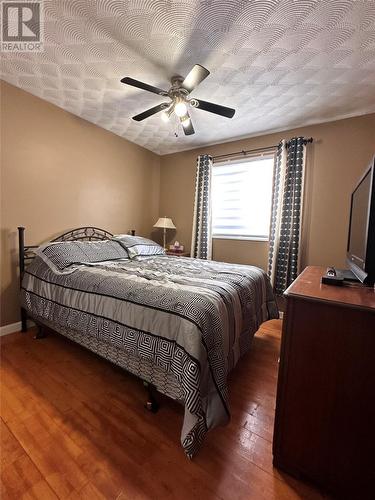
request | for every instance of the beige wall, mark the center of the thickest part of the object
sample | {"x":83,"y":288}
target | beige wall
{"x":336,"y":159}
{"x":59,"y":172}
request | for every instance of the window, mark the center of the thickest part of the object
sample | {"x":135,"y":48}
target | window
{"x":241,"y":198}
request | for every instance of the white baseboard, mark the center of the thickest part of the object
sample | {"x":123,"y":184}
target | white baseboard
{"x":14,"y":327}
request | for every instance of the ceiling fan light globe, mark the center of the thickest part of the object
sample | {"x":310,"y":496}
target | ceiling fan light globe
{"x":165,"y":116}
{"x":180,"y":109}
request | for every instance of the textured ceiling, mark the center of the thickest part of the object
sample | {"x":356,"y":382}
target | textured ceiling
{"x":279,"y":63}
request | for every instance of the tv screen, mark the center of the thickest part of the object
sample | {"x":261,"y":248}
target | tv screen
{"x":357,"y":243}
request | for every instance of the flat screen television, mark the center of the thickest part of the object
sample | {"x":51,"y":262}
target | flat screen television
{"x":361,"y":239}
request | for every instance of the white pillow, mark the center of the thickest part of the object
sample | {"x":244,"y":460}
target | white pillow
{"x":136,"y":246}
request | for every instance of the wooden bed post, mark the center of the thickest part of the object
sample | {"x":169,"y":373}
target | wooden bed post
{"x":21,"y":256}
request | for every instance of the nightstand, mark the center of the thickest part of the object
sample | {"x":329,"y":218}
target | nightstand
{"x":177,"y":254}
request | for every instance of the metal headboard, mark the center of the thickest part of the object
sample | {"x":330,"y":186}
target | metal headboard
{"x":88,"y":233}
{"x":27,"y":252}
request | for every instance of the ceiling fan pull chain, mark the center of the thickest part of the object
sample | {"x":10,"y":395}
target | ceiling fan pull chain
{"x":176,"y":125}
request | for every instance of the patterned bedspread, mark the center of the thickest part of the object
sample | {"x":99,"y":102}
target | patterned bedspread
{"x":179,"y":323}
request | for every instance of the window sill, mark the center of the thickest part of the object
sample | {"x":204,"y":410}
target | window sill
{"x":244,"y":238}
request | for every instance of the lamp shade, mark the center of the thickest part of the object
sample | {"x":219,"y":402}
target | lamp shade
{"x":165,"y":223}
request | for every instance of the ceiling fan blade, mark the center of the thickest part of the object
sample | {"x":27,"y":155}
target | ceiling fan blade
{"x":187,"y":125}
{"x":144,"y":86}
{"x":215,"y":108}
{"x":196,"y":75}
{"x":150,"y":112}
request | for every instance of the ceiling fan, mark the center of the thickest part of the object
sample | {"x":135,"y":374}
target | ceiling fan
{"x":180,"y":99}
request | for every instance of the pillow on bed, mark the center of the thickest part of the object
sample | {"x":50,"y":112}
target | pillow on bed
{"x":62,"y":254}
{"x":137,"y":246}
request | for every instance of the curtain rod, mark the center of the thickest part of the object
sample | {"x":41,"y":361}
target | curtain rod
{"x":305,"y":141}
{"x":244,"y":153}
{"x":266,"y":148}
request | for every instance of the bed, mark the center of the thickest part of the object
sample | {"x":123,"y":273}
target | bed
{"x":179,"y":324}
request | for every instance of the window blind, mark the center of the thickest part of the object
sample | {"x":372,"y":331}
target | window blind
{"x":241,"y":198}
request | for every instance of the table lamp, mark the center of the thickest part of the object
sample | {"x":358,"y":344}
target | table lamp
{"x":165,"y":223}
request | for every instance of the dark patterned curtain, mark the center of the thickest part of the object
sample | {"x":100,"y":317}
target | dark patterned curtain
{"x":286,"y":215}
{"x":201,"y":243}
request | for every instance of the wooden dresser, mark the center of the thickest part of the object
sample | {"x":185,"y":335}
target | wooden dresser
{"x":325,"y":407}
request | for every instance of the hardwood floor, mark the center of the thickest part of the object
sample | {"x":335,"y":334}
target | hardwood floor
{"x":74,"y":426}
